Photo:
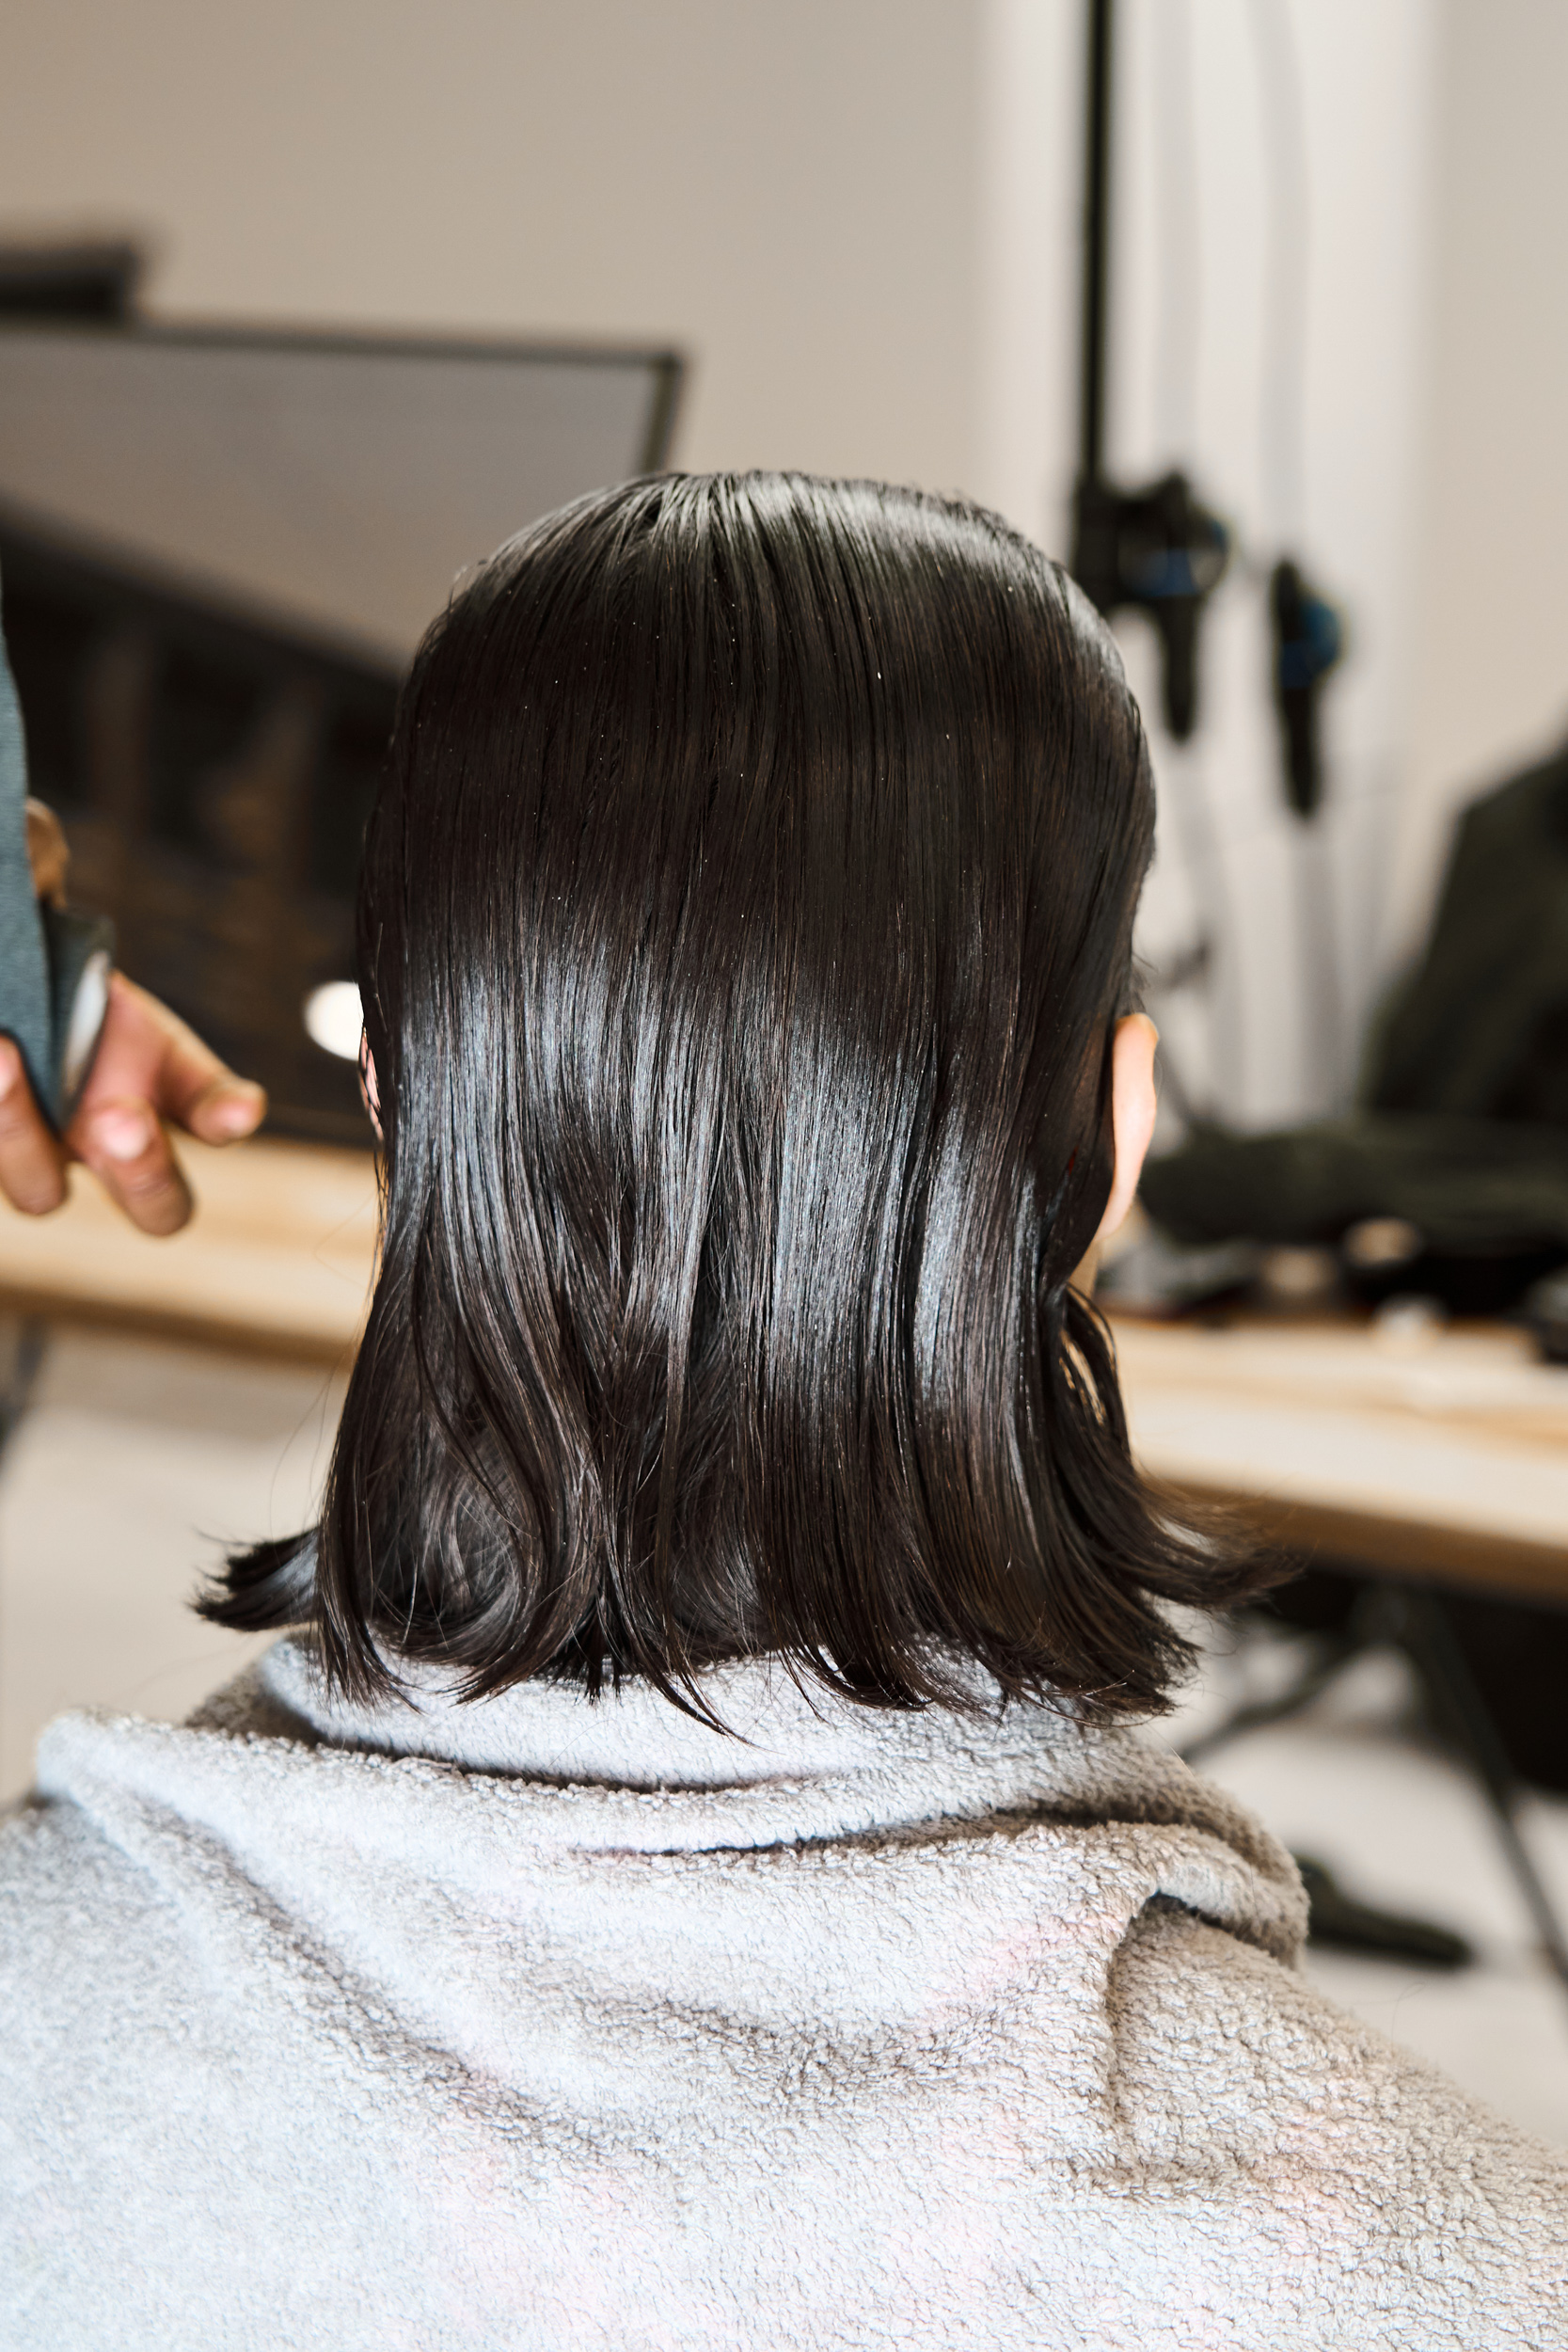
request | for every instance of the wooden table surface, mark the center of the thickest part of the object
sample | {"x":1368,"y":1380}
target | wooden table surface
{"x":1442,"y":1454}
{"x":278,"y":1259}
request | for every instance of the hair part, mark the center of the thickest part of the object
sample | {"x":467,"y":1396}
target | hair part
{"x":742,"y":926}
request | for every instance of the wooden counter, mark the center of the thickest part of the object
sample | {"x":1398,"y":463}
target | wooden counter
{"x":1441,"y":1456}
{"x":278,"y":1257}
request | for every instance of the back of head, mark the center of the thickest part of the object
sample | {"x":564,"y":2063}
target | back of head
{"x":742,"y":926}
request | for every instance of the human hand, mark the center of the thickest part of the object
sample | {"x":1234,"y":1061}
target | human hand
{"x":149,"y":1068}
{"x":47,"y":853}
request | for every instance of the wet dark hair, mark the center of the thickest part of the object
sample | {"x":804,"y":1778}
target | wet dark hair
{"x":742,"y":926}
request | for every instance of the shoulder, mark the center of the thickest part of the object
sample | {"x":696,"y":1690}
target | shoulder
{"x":1231,"y":2065}
{"x":83,"y":1926}
{"x":61,"y":1880}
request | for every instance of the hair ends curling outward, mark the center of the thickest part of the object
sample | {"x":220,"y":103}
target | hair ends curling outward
{"x":742,"y":926}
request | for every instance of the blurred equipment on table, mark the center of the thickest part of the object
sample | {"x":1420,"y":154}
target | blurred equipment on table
{"x":1469,"y":1212}
{"x":1546,"y":1310}
{"x":1146,"y":1273}
{"x":89,"y":278}
{"x":1452,"y":1180}
{"x":220,"y":550}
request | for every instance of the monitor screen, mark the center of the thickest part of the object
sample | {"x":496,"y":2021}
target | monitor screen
{"x":217,"y":551}
{"x":339,"y":485}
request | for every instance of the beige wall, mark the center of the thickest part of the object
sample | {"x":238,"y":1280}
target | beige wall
{"x":786,"y":187}
{"x":1490,"y":677}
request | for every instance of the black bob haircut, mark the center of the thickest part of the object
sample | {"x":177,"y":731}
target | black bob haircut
{"x":743,"y":923}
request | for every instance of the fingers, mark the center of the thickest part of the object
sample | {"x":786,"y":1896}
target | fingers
{"x":193,"y":1087}
{"x":148,"y":1067}
{"x":149,"y":1054}
{"x":32,"y":1165}
{"x":47,"y":854}
{"x":124,"y":1145}
{"x":227,"y":1110}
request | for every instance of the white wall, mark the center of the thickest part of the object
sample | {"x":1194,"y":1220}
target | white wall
{"x":1024,"y":357}
{"x":787,"y":188}
{"x":1490,"y":685}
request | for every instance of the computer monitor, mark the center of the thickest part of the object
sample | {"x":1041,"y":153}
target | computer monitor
{"x":217,"y":551}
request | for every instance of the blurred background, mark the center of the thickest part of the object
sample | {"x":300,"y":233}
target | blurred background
{"x":302,"y":310}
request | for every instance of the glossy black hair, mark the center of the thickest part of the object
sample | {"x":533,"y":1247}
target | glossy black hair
{"x":742,"y":927}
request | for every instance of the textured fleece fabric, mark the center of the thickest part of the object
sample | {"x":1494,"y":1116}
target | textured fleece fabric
{"x":544,"y":2023}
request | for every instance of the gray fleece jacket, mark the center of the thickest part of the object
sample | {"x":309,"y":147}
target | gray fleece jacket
{"x":542,"y":2025}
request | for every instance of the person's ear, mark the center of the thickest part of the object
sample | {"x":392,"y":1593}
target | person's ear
{"x":367,"y":1086}
{"x":1132,"y":1109}
{"x":1133,"y":1104}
